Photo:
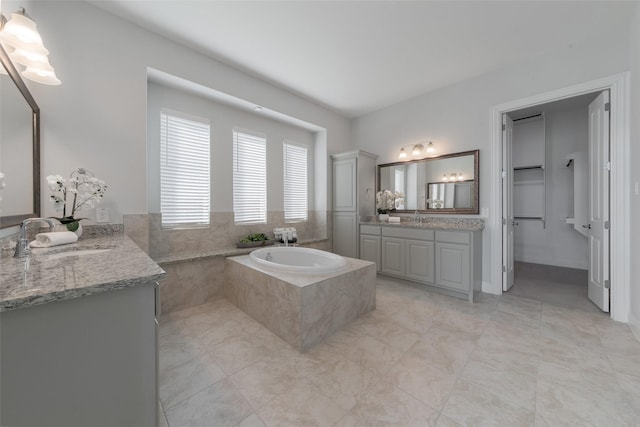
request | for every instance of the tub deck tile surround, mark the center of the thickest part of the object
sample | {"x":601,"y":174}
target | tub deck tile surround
{"x":302,"y":309}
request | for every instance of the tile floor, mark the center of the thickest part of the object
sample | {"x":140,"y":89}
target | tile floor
{"x":420,"y":359}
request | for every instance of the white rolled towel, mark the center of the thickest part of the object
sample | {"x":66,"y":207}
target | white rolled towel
{"x":55,"y":238}
{"x":394,"y":219}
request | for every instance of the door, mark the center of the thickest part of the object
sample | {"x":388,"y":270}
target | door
{"x":370,"y":249}
{"x":345,"y":236}
{"x":507,"y":204}
{"x":420,"y":260}
{"x":452,"y":261}
{"x":344,"y":185}
{"x":598,"y":210}
{"x":393,"y":261}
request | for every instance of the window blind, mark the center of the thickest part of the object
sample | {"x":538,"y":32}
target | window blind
{"x":184,"y":171}
{"x":249,"y":177}
{"x":296,"y":205}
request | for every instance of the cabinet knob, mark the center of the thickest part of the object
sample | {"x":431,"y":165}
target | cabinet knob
{"x":588,"y":226}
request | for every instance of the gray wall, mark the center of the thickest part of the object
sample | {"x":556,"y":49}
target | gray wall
{"x":457,"y":118}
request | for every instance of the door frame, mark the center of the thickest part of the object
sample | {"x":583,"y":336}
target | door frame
{"x":618,"y":86}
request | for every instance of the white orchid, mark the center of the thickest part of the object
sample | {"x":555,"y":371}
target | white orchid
{"x":86,"y":190}
{"x":387,"y":200}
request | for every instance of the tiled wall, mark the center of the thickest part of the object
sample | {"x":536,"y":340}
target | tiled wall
{"x":194,"y":282}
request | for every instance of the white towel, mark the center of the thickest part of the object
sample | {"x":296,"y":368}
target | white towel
{"x":45,"y":240}
{"x":394,"y":219}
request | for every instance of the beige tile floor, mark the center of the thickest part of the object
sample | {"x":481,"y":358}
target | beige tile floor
{"x":420,"y":359}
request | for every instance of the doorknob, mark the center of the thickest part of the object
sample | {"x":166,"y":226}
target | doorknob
{"x":587,"y":226}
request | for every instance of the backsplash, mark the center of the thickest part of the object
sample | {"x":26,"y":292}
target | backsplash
{"x":147,"y":232}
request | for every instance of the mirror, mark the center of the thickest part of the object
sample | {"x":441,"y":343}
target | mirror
{"x":19,"y":147}
{"x":447,"y":184}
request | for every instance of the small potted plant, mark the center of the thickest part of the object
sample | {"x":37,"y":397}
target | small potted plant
{"x":82,"y":189}
{"x":254,"y":240}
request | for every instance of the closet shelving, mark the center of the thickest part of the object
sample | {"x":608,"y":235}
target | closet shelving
{"x":529,"y":178}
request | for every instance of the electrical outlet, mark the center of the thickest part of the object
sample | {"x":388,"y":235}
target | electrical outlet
{"x":102,"y":214}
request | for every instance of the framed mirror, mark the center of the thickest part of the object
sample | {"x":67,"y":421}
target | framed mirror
{"x":19,"y":147}
{"x":447,"y":184}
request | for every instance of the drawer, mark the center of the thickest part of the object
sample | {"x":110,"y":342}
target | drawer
{"x":462,"y":237}
{"x":373,"y":230}
{"x":407,"y":233}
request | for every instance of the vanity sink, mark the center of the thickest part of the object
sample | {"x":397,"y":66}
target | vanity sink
{"x":76,"y":252}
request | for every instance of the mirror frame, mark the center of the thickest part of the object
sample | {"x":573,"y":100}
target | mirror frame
{"x":475,"y":210}
{"x":12,"y":220}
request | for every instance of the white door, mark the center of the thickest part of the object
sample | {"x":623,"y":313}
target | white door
{"x":598,"y":215}
{"x":507,"y":204}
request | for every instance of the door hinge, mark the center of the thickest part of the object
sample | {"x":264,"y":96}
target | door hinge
{"x":607,"y":285}
{"x":607,"y":106}
{"x":504,"y":127}
{"x":606,"y":225}
{"x":503,"y":174}
{"x":607,"y":166}
{"x":504,"y":221}
{"x":504,"y":269}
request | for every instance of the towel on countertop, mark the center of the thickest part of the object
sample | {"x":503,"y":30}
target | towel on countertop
{"x":45,"y":240}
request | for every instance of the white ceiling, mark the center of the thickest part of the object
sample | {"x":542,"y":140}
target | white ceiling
{"x":359,"y":56}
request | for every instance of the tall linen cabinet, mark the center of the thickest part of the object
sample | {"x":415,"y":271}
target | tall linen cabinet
{"x":354,"y":195}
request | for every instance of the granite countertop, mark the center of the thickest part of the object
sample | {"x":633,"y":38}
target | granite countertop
{"x":47,"y":275}
{"x":460,"y":224}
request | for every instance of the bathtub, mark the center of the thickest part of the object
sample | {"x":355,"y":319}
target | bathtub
{"x":297,"y":260}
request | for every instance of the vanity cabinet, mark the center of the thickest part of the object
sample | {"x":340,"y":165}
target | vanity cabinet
{"x":353,"y":195}
{"x":86,"y":361}
{"x":450,"y":260}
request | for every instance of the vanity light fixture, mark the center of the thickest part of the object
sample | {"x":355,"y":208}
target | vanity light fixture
{"x":445,"y":177}
{"x":416,"y":149}
{"x":23,"y":43}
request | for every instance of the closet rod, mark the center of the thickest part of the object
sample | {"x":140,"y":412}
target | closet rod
{"x":528,"y":117}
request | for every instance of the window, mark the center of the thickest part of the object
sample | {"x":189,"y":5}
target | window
{"x":295,"y":182}
{"x":184,"y":170}
{"x":249,"y":177}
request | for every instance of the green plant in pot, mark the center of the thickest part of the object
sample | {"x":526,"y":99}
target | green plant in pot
{"x":255,"y":237}
{"x":82,"y":189}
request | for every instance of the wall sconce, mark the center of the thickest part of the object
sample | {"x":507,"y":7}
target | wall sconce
{"x":23,"y":43}
{"x":416,"y":149}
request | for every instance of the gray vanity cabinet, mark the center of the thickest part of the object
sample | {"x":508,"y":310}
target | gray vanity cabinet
{"x":450,"y":260}
{"x":353,"y":190}
{"x":408,"y":253}
{"x":86,"y":361}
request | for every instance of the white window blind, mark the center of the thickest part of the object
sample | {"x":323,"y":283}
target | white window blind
{"x":249,"y":177}
{"x":184,"y":171}
{"x":295,"y":182}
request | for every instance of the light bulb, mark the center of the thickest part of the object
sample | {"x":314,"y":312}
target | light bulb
{"x":403,"y":154}
{"x":430,"y":148}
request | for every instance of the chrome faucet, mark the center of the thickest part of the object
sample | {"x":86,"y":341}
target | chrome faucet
{"x":22,"y":247}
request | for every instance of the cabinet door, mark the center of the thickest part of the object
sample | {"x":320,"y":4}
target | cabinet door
{"x":452,"y":262}
{"x":344,"y":185}
{"x":345,"y":234}
{"x":370,"y":249}
{"x":420,"y":260}
{"x":393,"y":261}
